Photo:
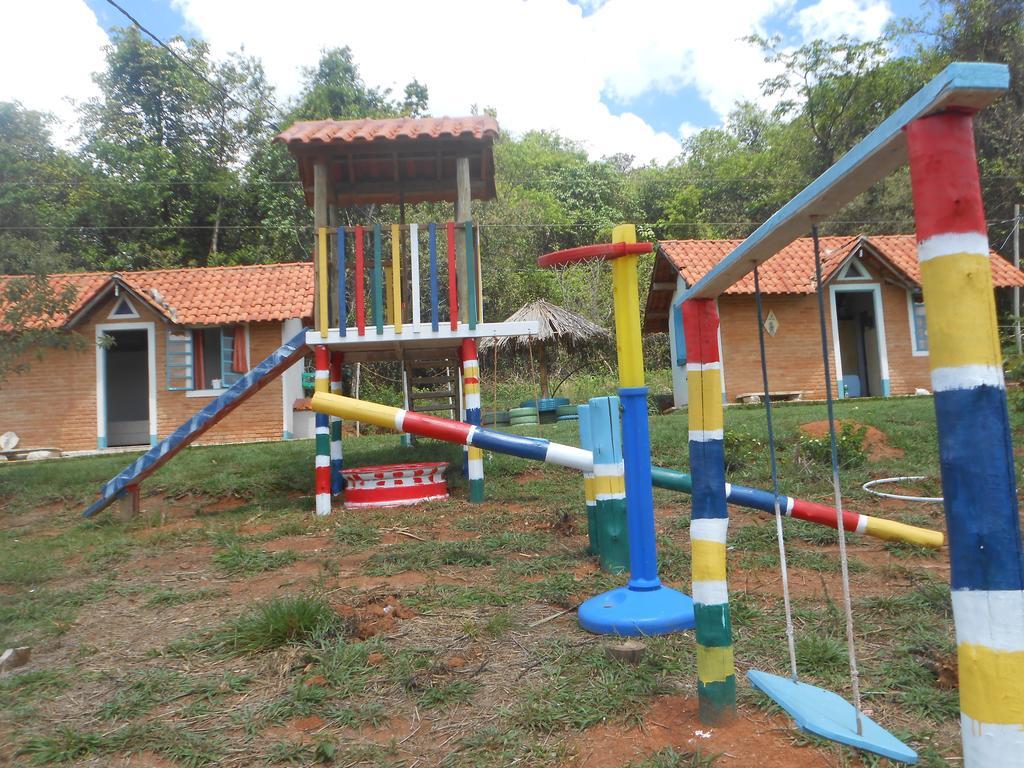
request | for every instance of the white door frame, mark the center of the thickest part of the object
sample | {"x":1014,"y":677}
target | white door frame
{"x":101,"y":377}
{"x":883,"y":356}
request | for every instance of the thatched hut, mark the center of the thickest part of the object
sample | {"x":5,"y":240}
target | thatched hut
{"x":557,"y":325}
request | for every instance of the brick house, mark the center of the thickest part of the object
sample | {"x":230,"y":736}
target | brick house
{"x":158,"y":346}
{"x":874,"y":312}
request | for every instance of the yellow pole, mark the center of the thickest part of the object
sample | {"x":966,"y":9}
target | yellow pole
{"x":321,"y":260}
{"x":396,"y":277}
{"x":628,"y":343}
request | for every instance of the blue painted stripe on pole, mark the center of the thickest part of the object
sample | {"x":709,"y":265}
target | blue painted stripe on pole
{"x":586,"y":441}
{"x":515,"y":445}
{"x":434,"y":313}
{"x":606,"y":429}
{"x":342,"y":307}
{"x":707,"y":463}
{"x":978,"y":486}
{"x":755,"y":498}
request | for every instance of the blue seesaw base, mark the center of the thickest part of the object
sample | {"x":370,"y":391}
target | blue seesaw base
{"x":830,"y":716}
{"x":631,"y":612}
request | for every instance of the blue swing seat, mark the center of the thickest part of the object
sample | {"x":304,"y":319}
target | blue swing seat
{"x":830,"y":716}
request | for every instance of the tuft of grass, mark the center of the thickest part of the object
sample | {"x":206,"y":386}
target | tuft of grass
{"x":447,"y":694}
{"x":143,"y":691}
{"x":428,"y":556}
{"x":281,"y":621}
{"x":239,"y":560}
{"x":670,"y":758}
{"x":356,"y":535}
{"x":164,"y":598}
{"x":183,"y":747}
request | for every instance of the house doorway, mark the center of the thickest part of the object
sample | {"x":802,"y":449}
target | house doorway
{"x":127,"y":387}
{"x":859,"y":338}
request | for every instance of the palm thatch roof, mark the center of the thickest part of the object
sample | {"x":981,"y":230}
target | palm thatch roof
{"x":555,"y":324}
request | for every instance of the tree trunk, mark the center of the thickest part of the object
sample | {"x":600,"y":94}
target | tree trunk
{"x":542,"y":362}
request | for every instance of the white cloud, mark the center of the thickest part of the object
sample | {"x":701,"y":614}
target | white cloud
{"x":540,"y":63}
{"x":861,"y":19}
{"x":48,"y":52}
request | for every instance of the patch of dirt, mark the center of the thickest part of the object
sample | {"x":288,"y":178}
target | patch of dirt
{"x":876,"y":444}
{"x":375,"y":617}
{"x":298,"y":543}
{"x":752,"y":739}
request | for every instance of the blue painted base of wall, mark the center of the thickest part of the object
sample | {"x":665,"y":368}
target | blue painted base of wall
{"x":101,"y":442}
{"x":152,"y":440}
{"x":286,"y":435}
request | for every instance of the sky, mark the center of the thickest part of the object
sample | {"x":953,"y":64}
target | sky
{"x":619,"y":76}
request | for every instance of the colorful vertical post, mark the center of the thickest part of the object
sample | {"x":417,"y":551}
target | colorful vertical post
{"x":323,"y":439}
{"x":396,"y":277}
{"x":324,"y":281}
{"x":709,"y":521}
{"x":589,"y":500}
{"x":453,"y":286}
{"x":414,"y":274}
{"x":471,"y":396}
{"x":432,"y":247}
{"x":609,"y":484}
{"x":359,"y":288}
{"x":378,"y":282}
{"x":471,"y":295}
{"x":337,"y":463}
{"x":975,"y":447}
{"x":342,"y":305}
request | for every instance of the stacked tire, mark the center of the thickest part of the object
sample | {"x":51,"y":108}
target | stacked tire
{"x":522,"y":415}
{"x":567,"y":413}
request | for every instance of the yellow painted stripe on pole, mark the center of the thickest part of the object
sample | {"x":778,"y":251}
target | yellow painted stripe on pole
{"x":708,"y":558}
{"x":714,"y":664}
{"x":705,"y":391}
{"x":962,"y":311}
{"x":626,"y":292}
{"x":321,"y":259}
{"x":881,"y":528}
{"x":355,"y":410}
{"x":389,"y":307}
{"x":588,"y":489}
{"x":396,"y":276}
{"x":609,"y":485}
{"x":989,"y":680}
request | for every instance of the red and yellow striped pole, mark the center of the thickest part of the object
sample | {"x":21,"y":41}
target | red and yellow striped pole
{"x":323,"y":438}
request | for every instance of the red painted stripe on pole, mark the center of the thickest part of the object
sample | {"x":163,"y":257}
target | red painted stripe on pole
{"x":337,"y":363}
{"x":819,"y":513}
{"x":323,"y":480}
{"x":700,"y":326}
{"x":439,"y":429}
{"x":453,"y":290}
{"x":359,"y":289}
{"x":941,"y":150}
{"x":320,"y":358}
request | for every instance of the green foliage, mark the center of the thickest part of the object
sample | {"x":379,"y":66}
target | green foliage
{"x":273,"y":623}
{"x":849,"y":447}
{"x":239,"y":560}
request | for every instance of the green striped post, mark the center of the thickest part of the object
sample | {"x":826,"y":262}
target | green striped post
{"x":378,"y":281}
{"x":609,"y":484}
{"x":471,"y":312}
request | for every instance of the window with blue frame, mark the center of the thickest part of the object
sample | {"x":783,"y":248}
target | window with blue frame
{"x":918,"y":326}
{"x":206,"y":358}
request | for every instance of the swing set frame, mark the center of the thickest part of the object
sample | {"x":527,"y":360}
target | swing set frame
{"x":933,"y":130}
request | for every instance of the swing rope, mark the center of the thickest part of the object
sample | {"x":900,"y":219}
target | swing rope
{"x":790,"y":642}
{"x":847,"y":603}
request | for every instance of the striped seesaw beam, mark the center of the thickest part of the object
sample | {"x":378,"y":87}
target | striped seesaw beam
{"x":809,"y":511}
{"x":535,"y":448}
{"x":975,"y":447}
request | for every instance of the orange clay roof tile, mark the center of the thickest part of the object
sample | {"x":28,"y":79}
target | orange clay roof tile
{"x":367,"y":130}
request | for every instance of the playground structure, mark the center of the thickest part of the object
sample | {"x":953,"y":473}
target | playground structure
{"x":934,"y":128}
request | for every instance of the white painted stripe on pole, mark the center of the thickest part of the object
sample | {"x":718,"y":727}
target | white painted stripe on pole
{"x":862,"y":523}
{"x":790,"y":501}
{"x":414,"y":274}
{"x":952,"y":243}
{"x":322,"y":373}
{"x":967,"y":377}
{"x":335,"y":450}
{"x":709,"y":529}
{"x":476,"y":469}
{"x":323,"y":504}
{"x":570,"y":456}
{"x":323,"y":430}
{"x":610,"y":470}
{"x":710,"y":592}
{"x":990,"y":618}
{"x":399,"y":419}
{"x":471,"y":434}
{"x":728,"y":490}
{"x":705,"y":435}
{"x":610,"y":496}
{"x":471,"y":367}
{"x":703,"y":367}
{"x":988,"y":744}
{"x":472,"y":400}
{"x":322,"y":461}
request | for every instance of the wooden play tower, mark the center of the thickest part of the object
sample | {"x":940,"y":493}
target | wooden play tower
{"x":410,"y":292}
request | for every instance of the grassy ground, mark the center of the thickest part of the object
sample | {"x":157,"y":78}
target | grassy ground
{"x":228,"y":626}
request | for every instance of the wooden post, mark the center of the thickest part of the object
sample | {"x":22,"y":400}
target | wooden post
{"x":128,"y":504}
{"x":332,"y":267}
{"x":463,"y":213}
{"x":542,"y":363}
{"x":320,"y":204}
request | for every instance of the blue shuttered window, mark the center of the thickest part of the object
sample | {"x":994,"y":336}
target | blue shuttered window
{"x":179,"y":360}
